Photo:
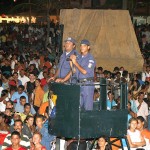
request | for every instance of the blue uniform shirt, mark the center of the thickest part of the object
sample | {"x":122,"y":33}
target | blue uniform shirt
{"x":64,"y":65}
{"x":87,"y":62}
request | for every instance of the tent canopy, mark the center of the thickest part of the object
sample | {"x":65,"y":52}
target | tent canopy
{"x":111,"y":34}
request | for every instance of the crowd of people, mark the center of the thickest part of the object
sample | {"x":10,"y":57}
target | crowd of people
{"x":26,"y":69}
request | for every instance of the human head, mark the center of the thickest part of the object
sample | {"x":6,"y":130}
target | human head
{"x":8,"y":111}
{"x":129,"y":95}
{"x":15,"y":76}
{"x":27,"y":108}
{"x":138,"y":76}
{"x":69,"y":44}
{"x":16,"y":116}
{"x":29,"y":120}
{"x":22,"y":100}
{"x":102,"y":142}
{"x":4,"y":93}
{"x":20,"y":89}
{"x":100,"y":69}
{"x":125,"y":74}
{"x":18,"y":125}
{"x":136,"y":83}
{"x":118,"y":75}
{"x":39,"y":120}
{"x":15,"y":138}
{"x":84,"y":47}
{"x":32,"y":76}
{"x":110,"y":95}
{"x":22,"y":72}
{"x":37,"y":137}
{"x":147,"y":68}
{"x":133,"y":123}
{"x":129,"y":105}
{"x":37,"y":82}
{"x":2,"y":118}
{"x":141,"y":122}
{"x":116,"y":69}
{"x":45,"y":75}
{"x":141,"y":96}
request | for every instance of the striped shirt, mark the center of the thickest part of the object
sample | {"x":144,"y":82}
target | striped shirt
{"x":24,"y":142}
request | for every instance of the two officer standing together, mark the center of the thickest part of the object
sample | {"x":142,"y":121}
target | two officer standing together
{"x":80,"y":67}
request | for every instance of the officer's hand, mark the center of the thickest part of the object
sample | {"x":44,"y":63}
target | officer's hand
{"x":51,"y":79}
{"x":59,"y":80}
{"x":73,"y":58}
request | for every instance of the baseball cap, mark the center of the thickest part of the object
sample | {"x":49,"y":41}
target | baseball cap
{"x":86,"y":42}
{"x":71,"y":40}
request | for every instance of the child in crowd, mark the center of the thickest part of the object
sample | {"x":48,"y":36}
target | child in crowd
{"x":15,"y":140}
{"x":37,"y":137}
{"x":20,"y":106}
{"x":27,"y":110}
{"x":46,"y":137}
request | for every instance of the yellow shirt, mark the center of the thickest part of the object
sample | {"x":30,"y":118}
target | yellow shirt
{"x":23,"y":116}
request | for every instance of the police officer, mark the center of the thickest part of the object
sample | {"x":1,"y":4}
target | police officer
{"x":64,"y":64}
{"x":84,"y":65}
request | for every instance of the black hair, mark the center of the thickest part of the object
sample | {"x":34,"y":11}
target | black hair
{"x":138,"y":76}
{"x":38,"y":80}
{"x":125,"y":73}
{"x":107,"y":147}
{"x":21,"y":86}
{"x":22,"y":97}
{"x":26,"y":104}
{"x":40,"y":116}
{"x":18,"y":120}
{"x":116,"y":69}
{"x":27,"y":118}
{"x":110,"y":93}
{"x":16,"y":133}
{"x":100,"y":68}
{"x":141,"y":118}
{"x":4,"y":93}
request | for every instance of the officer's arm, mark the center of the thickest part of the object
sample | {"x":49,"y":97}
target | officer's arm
{"x":67,"y":77}
{"x":82,"y":70}
{"x":74,"y":61}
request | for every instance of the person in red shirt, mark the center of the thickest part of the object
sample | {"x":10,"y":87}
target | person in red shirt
{"x":15,"y":140}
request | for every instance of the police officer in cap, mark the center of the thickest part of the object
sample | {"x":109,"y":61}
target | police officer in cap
{"x":64,"y":64}
{"x":84,"y":71}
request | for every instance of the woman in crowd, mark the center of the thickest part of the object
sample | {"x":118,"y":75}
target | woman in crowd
{"x":29,"y":124}
{"x":102,"y":144}
{"x":135,"y":139}
{"x":135,"y":88}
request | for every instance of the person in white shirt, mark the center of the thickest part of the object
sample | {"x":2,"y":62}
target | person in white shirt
{"x":24,"y":79}
{"x":135,"y":139}
{"x":146,"y":74}
{"x":141,"y":106}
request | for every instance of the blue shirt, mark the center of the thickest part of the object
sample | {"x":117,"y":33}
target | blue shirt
{"x":19,"y":108}
{"x":16,"y":96}
{"x":87,"y":62}
{"x":46,"y":138}
{"x":110,"y":104}
{"x":64,"y":65}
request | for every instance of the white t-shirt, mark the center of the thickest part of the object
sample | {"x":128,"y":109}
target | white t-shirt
{"x":143,"y":111}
